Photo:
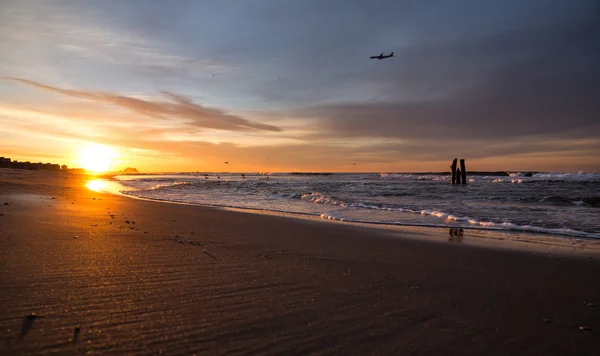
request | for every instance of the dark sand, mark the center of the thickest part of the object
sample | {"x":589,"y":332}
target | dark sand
{"x":184,"y":280}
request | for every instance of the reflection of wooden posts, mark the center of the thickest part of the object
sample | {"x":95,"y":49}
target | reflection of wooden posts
{"x":458,"y":175}
{"x":453,"y":174}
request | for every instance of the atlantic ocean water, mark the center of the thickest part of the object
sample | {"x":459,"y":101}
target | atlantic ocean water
{"x":564,"y":204}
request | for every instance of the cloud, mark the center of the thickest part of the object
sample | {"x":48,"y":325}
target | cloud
{"x":544,"y":81}
{"x":177,"y":106}
{"x":34,"y":32}
{"x":155,"y":150}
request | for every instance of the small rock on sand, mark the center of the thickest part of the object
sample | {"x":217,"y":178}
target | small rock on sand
{"x":76,"y":334}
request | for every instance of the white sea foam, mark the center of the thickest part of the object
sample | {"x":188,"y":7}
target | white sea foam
{"x":479,"y":225}
{"x":322,"y":199}
{"x":163,"y":185}
{"x":569,"y":177}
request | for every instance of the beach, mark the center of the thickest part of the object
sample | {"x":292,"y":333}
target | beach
{"x":144,"y":277}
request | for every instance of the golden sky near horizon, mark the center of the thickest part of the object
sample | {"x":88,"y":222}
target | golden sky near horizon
{"x":290,"y":87}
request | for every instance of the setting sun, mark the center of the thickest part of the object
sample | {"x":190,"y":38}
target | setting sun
{"x":97,"y":158}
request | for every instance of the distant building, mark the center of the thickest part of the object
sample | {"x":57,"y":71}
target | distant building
{"x":50,"y":167}
{"x":129,"y":170}
{"x":6,"y":162}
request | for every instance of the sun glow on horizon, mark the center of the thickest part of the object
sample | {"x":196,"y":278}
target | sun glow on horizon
{"x":97,"y":158}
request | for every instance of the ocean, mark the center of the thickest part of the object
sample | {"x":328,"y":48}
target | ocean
{"x":563,"y":204}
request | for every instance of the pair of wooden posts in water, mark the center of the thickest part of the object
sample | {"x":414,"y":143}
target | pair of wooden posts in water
{"x":459,"y":175}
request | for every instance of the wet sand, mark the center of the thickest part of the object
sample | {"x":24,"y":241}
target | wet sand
{"x":140,"y":277}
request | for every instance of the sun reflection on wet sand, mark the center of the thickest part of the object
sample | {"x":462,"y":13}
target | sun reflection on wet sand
{"x":103,"y":186}
{"x":97,"y":185}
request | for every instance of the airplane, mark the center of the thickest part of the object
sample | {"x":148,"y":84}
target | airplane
{"x":381,"y":56}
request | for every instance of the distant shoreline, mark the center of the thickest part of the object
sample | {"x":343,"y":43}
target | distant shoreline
{"x":473,"y":173}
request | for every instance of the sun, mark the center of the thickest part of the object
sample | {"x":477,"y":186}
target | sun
{"x":97,"y":158}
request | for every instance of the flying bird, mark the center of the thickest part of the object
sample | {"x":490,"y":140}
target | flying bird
{"x":382,"y":56}
{"x":226,"y":162}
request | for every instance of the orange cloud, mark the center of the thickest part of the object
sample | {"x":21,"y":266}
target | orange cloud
{"x":177,"y":106}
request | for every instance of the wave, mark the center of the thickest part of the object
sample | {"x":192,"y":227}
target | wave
{"x":490,"y":225}
{"x":264,"y":188}
{"x":498,"y":177}
{"x":468,"y":222}
{"x":560,"y":203}
{"x":558,"y":177}
{"x":452,"y":219}
{"x":311,"y":174}
{"x":479,"y":225}
{"x":167,"y":185}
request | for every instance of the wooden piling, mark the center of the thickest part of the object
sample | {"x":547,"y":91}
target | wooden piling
{"x":463,"y":171}
{"x":453,"y":173}
{"x":458,"y":176}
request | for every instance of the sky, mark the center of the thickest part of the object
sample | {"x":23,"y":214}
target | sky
{"x":271,"y":85}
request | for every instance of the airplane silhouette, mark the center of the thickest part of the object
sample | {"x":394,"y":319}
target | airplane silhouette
{"x":381,"y":56}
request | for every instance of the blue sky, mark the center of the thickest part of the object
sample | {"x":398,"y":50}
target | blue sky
{"x":508,"y":85}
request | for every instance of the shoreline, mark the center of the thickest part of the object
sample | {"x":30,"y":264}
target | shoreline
{"x":481,"y":236}
{"x":141,"y":277}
